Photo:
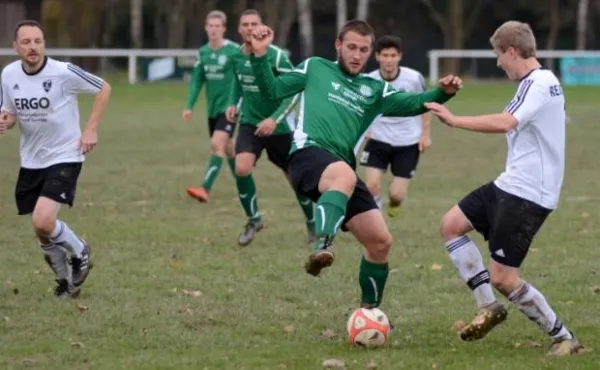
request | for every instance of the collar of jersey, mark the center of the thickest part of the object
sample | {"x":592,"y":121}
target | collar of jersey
{"x":36,"y":72}
{"x":529,"y":73}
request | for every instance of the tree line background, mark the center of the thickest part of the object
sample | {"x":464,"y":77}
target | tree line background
{"x":308,"y":27}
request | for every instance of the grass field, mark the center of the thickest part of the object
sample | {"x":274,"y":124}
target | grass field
{"x":151,"y":242}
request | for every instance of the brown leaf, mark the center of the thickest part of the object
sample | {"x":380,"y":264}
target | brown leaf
{"x":435,"y":366}
{"x":597,"y":289}
{"x":458,"y":325}
{"x":334,"y":364}
{"x":372,"y":365}
{"x":185,"y":310}
{"x":177,"y":265}
{"x":289,"y":329}
{"x":77,"y":345}
{"x":193,"y":293}
{"x":28,"y":361}
{"x":436,"y":267}
{"x":534,"y":250}
{"x":328,"y":334}
{"x":529,"y":344}
{"x":82,"y":308}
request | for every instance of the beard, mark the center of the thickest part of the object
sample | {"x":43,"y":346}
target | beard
{"x":344,"y":67}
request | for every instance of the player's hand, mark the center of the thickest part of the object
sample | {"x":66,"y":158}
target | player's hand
{"x":441,"y":112}
{"x":424,"y":143}
{"x":186,"y":115}
{"x":262,"y":37}
{"x":266,"y":127}
{"x":88,"y":141}
{"x":231,"y":113}
{"x":3,"y":124}
{"x":450,"y":84}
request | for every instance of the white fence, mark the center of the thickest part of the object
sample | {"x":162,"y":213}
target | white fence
{"x":435,"y":55}
{"x":130,"y":54}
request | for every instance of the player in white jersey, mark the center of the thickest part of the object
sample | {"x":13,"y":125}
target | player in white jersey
{"x":510,"y":210}
{"x":40,"y":94}
{"x":394,"y":142}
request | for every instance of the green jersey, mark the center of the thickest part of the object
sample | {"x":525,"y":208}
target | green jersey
{"x":213,"y":67}
{"x":255,"y":106}
{"x":337,"y":108}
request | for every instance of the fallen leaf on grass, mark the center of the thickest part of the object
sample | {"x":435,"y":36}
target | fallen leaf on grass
{"x":289,"y":329}
{"x":77,"y":345}
{"x":420,"y":267}
{"x":177,"y":265}
{"x":597,"y":289}
{"x":436,"y":267}
{"x":328,"y":334}
{"x":585,"y":215}
{"x":459,"y":325}
{"x":534,"y":250}
{"x":82,"y":308}
{"x":529,"y":344}
{"x":6,"y":318}
{"x":434,"y":366}
{"x":372,"y":365}
{"x":185,"y":310}
{"x":334,"y":364}
{"x":28,"y":361}
{"x":193,"y":293}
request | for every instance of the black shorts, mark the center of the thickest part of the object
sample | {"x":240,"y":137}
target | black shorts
{"x":307,"y":166}
{"x":220,"y":123}
{"x":57,"y":182}
{"x":508,"y":222}
{"x":402,"y":159}
{"x":277,"y":146}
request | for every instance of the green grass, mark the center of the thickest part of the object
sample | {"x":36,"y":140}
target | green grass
{"x":150,"y":242}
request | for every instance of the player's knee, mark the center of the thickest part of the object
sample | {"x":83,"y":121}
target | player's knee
{"x":449,"y":227}
{"x":43,"y":223}
{"x":242,"y":169}
{"x":374,"y":188}
{"x":218,"y":147}
{"x":505,"y":279}
{"x":379,"y":247}
{"x":397,"y":195}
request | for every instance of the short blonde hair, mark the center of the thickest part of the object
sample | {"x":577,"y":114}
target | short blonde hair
{"x":517,"y":35}
{"x":217,"y":14}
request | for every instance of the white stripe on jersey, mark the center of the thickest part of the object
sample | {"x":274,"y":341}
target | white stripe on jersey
{"x":536,"y":147}
{"x":45,"y":104}
{"x":400,"y":131}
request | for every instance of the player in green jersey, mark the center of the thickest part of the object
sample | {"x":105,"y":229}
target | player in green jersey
{"x":214,"y":70}
{"x":254,"y":111}
{"x":338,"y":104}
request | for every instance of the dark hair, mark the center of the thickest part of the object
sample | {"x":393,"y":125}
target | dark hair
{"x":356,"y":25}
{"x":27,"y":23}
{"x":387,"y":42}
{"x":251,"y":12}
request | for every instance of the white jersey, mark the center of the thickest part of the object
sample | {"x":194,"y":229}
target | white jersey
{"x":45,"y":104}
{"x":536,"y":146}
{"x":400,"y":131}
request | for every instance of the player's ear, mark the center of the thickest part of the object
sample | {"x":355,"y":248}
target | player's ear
{"x":338,"y":44}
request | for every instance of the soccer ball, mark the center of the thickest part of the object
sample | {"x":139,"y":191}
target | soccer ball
{"x":368,"y":327}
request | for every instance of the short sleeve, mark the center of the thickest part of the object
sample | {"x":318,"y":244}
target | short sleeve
{"x":421,"y":86}
{"x":6,"y":104}
{"x":81,"y":81}
{"x":528,"y":100}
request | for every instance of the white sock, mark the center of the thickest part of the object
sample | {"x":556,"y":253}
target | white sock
{"x":64,"y":236}
{"x":466,"y":257}
{"x":533,"y":305}
{"x":378,"y":201}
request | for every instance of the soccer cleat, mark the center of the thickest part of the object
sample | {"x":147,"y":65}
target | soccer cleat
{"x":565,"y":346}
{"x":393,"y":210}
{"x":199,"y":194}
{"x":250,"y":230}
{"x":65,"y":289}
{"x":485,"y":320}
{"x":311,"y":237}
{"x":321,"y":258}
{"x":80,"y":267}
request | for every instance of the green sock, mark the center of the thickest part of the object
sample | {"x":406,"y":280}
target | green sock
{"x":307,"y":208}
{"x":329,"y":215}
{"x":231,"y":163}
{"x":214,"y":166}
{"x":247,"y":194}
{"x":372,"y":278}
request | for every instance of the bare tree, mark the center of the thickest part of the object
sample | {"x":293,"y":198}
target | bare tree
{"x":306,"y":29}
{"x":342,"y":13}
{"x":456,"y":26}
{"x":286,"y":21}
{"x":582,"y":24}
{"x":362,"y":9}
{"x":136,"y":24}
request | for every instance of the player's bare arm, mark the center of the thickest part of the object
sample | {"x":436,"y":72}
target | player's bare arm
{"x":89,"y":137}
{"x":425,"y":140}
{"x":487,"y":123}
